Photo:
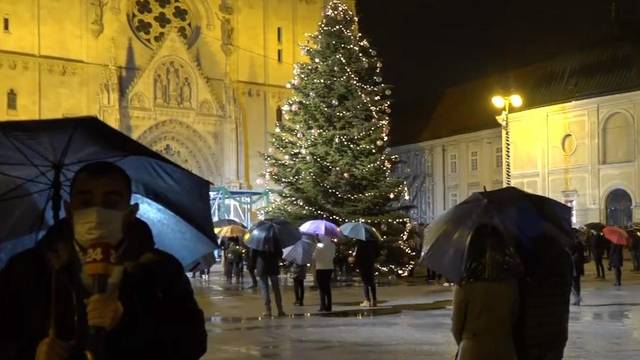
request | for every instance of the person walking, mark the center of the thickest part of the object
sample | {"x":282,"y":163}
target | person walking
{"x":250,"y":262}
{"x":615,"y":262}
{"x":234,"y":259}
{"x":268,"y":270}
{"x":598,"y":243}
{"x":299,"y":274}
{"x":323,"y":261}
{"x":366,"y":254}
{"x":577,"y":258}
{"x":485,"y":304}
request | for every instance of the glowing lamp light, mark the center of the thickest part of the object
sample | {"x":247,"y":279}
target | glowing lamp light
{"x":498,"y":101}
{"x":516,"y":100}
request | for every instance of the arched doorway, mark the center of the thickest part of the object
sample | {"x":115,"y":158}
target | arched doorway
{"x":619,"y":208}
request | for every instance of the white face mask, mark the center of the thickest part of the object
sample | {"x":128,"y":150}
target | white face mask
{"x":97,"y":224}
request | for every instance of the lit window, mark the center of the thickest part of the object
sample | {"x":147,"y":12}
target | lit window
{"x":12,"y":100}
{"x":5,"y":24}
{"x":453,"y":163}
{"x":499,"y":157}
{"x":474,"y":161}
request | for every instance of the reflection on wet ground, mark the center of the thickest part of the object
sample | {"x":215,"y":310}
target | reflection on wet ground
{"x":413,"y":322}
{"x":356,"y":313}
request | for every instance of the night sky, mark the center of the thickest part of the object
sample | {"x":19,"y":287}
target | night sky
{"x":429,"y":45}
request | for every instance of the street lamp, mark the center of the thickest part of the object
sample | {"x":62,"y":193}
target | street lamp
{"x":505,"y":103}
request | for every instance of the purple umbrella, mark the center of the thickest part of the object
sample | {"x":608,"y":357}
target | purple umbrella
{"x":321,"y":228}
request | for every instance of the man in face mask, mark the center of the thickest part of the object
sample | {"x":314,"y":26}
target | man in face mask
{"x":47,"y":296}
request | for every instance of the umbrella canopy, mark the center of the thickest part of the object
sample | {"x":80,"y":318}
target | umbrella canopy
{"x":301,"y":252}
{"x":273,"y":235}
{"x":616,"y":235}
{"x":360,"y":231}
{"x":533,"y":224}
{"x":219,"y":224}
{"x":320,"y":228}
{"x":40,"y":157}
{"x":595,"y":226}
{"x":232,"y":231}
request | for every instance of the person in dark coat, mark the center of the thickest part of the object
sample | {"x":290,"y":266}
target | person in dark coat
{"x":634,"y":236}
{"x":598,"y":243}
{"x":268,"y":270}
{"x":366,"y":254}
{"x":615,"y":262}
{"x":299,"y":274}
{"x":542,"y":329}
{"x":149,"y":310}
{"x":577,"y":258}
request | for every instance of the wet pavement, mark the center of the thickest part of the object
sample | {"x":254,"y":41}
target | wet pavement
{"x":412,"y":321}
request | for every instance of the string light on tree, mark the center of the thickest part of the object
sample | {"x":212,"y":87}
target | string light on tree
{"x":330,"y":152}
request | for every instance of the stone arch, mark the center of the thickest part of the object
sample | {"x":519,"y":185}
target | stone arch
{"x":619,"y":207}
{"x":617,"y":138}
{"x":183,"y":144}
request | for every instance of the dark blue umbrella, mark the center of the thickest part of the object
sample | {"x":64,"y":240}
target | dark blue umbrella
{"x":533,"y":224}
{"x":273,"y":235}
{"x":301,"y":252}
{"x":40,"y":157}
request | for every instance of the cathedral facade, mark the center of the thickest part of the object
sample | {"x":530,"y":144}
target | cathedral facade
{"x":199,"y":81}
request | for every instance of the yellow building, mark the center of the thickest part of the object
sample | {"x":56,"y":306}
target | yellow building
{"x":197,"y":80}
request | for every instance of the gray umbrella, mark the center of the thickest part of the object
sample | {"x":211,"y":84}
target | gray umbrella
{"x":360,"y":231}
{"x":302,"y":252}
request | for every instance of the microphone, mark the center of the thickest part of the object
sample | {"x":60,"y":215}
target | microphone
{"x":98,"y":265}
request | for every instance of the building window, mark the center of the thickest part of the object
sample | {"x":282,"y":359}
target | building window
{"x":5,"y":24}
{"x":453,"y":163}
{"x":473,"y":161}
{"x":278,"y":115}
{"x":12,"y":100}
{"x":279,"y":55}
{"x":279,"y":35}
{"x":453,"y":199}
{"x":499,"y":157}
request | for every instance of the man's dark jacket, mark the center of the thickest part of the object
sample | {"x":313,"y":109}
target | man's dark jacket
{"x":161,"y":319}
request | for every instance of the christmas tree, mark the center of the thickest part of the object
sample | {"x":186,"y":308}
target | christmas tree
{"x":329,"y":153}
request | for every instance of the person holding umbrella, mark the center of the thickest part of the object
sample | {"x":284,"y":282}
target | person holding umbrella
{"x":300,"y":255}
{"x":323,"y":263}
{"x":485,"y":303}
{"x":577,"y":257}
{"x":367,"y":252}
{"x":618,"y":239}
{"x":267,"y":239}
{"x":145,"y":288}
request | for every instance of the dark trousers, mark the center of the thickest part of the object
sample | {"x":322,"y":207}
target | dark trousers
{"x":323,"y":277}
{"x":636,"y":260}
{"x":575,"y":286}
{"x":618,"y":272}
{"x":264,"y":289}
{"x":298,"y":290}
{"x":368,"y":283}
{"x":252,"y":274}
{"x":599,"y":266}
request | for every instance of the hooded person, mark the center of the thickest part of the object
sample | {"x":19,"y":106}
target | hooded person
{"x":146,"y":309}
{"x":485,"y":304}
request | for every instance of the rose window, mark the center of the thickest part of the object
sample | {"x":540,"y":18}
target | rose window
{"x":151,"y":20}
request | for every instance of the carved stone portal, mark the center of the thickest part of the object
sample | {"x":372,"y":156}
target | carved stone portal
{"x":172,"y":86}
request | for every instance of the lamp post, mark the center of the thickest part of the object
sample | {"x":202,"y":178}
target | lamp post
{"x":505,"y":103}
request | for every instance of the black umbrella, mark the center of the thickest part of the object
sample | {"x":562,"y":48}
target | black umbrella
{"x":595,"y":226}
{"x":39,"y":158}
{"x":527,"y":220}
{"x":273,"y":235}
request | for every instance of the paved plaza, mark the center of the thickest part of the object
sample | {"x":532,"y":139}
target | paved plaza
{"x":412,"y":322}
